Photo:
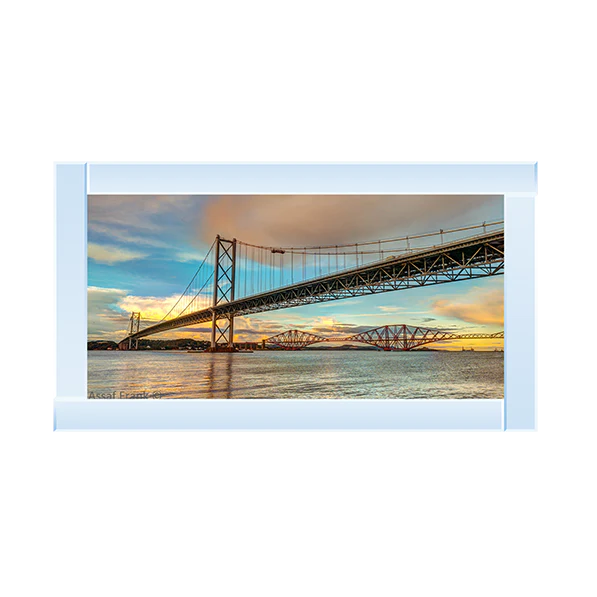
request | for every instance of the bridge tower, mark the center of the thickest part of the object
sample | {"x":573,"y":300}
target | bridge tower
{"x":224,"y":273}
{"x":135,"y":322}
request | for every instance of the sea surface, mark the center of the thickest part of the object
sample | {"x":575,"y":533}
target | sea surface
{"x":297,"y":374}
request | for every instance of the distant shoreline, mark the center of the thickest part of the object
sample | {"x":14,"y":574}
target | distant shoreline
{"x":183,"y":345}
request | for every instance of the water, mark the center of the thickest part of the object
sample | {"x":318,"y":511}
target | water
{"x":304,"y":374}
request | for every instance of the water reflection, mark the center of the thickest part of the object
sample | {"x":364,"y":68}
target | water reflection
{"x":328,"y":375}
{"x":219,"y":375}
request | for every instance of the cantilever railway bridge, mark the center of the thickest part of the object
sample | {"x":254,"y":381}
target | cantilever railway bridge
{"x":238,"y":278}
{"x":387,"y":337}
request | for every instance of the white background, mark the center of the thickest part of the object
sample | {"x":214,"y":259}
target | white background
{"x":299,"y":513}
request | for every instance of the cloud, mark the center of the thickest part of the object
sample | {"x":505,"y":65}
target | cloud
{"x":334,"y":304}
{"x":135,"y":211}
{"x":152,"y":308}
{"x":386,"y":309}
{"x":189,"y":257}
{"x":104,"y":319}
{"x":159,"y":221}
{"x":109,"y":309}
{"x":478,"y":306}
{"x":299,"y":220}
{"x":124,"y":235}
{"x":99,"y":299}
{"x":330,"y":326}
{"x":108,"y":254}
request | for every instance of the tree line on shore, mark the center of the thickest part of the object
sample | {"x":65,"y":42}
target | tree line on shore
{"x":192,"y":344}
{"x":146,"y":344}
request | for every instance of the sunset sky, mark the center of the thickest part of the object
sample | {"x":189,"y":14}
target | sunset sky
{"x":143,"y":250}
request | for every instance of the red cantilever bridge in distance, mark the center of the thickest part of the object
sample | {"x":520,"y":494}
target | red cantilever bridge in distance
{"x":387,"y":337}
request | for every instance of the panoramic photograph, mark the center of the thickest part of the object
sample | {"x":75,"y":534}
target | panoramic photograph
{"x":295,"y":297}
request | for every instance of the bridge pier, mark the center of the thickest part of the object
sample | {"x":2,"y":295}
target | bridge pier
{"x":129,"y":344}
{"x":222,"y":331}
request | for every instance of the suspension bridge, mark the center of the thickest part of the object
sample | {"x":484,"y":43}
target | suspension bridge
{"x":237,"y":278}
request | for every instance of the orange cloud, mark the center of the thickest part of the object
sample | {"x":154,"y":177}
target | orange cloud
{"x":156,"y":308}
{"x":479,"y":306}
{"x":299,"y":220}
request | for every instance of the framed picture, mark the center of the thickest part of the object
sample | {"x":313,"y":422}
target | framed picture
{"x":295,"y":296}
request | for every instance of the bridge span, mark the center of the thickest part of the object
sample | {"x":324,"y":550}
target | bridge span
{"x":348,"y":271}
{"x":387,"y":337}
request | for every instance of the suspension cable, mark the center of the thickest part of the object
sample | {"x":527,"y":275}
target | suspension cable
{"x":198,"y":293}
{"x":484,"y":226}
{"x":192,"y":279}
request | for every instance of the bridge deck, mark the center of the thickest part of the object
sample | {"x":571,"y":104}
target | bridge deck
{"x":470,"y":258}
